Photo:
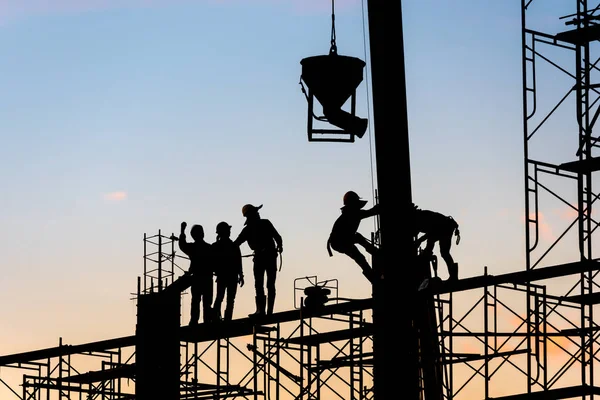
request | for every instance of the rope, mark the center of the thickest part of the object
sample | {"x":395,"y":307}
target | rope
{"x":279,"y":254}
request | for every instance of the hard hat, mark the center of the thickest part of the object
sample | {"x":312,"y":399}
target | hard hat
{"x":353,"y":199}
{"x":223,"y":227}
{"x":249,"y":209}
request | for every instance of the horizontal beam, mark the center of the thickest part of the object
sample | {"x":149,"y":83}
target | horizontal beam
{"x":124,"y":371}
{"x":587,"y":299}
{"x":79,"y":389}
{"x":580,"y":36}
{"x":554,"y":394}
{"x":65,"y":350}
{"x":520,"y":277}
{"x":334,"y":364}
{"x":481,"y":357}
{"x":329,"y":337}
{"x":247,"y":326}
{"x":199,"y":333}
{"x":563,"y":333}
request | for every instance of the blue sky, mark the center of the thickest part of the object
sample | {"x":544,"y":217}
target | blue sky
{"x":121,"y":120}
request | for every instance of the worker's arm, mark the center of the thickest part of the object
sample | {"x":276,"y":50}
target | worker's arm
{"x":277,"y":238}
{"x":241,"y":238}
{"x":238,"y":261}
{"x":370,"y":212}
{"x":183,"y":244}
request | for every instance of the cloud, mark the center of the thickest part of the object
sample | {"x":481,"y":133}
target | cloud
{"x":556,"y":345}
{"x":543,"y":226}
{"x":115,"y":196}
{"x":567,"y":213}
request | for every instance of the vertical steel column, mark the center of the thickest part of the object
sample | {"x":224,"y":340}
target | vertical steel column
{"x":450,"y":348}
{"x":145,"y":265}
{"x":301,"y":345}
{"x":159,"y":261}
{"x":395,"y":359}
{"x":525,"y":88}
{"x":255,"y":362}
{"x":486,"y":344}
{"x":584,"y":68}
{"x":277,"y":358}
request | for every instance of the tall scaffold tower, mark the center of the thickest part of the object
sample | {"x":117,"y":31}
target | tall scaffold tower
{"x":561,"y":83}
{"x":533,"y":333}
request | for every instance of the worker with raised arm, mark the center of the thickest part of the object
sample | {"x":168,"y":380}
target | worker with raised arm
{"x":344,"y":235}
{"x":437,"y":228}
{"x":267,"y":244}
{"x":201,"y":271}
{"x":228,"y":269}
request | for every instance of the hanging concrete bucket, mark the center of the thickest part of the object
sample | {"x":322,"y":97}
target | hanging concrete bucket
{"x":332,"y":79}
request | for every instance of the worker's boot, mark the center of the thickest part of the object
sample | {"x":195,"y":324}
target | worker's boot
{"x":228,"y":313}
{"x":453,"y":272}
{"x":217,"y":314}
{"x":260,"y":306}
{"x":270,"y":304}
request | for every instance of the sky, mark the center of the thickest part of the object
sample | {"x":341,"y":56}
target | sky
{"x":120,"y":119}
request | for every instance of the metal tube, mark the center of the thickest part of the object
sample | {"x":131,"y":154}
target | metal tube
{"x":394,"y":366}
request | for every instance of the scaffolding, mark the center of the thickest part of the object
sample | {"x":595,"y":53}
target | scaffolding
{"x":521,"y":335}
{"x":532,"y":334}
{"x":314,"y":350}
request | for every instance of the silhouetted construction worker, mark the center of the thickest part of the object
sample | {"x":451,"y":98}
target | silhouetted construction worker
{"x":266,"y":242}
{"x":228,"y":269}
{"x":344,"y":236}
{"x":201,"y":270}
{"x":438,"y":228}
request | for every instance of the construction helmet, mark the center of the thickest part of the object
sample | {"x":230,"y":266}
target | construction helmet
{"x":223,"y":227}
{"x":249,"y":209}
{"x":353,"y":199}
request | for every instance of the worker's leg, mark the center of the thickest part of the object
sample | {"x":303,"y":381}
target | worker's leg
{"x":352,"y":251}
{"x":195,"y":303}
{"x":231,"y":292}
{"x":259,"y":282}
{"x":355,"y":254}
{"x":370,"y":247}
{"x":271,"y":270}
{"x":207,"y":298}
{"x":221,"y":287}
{"x":445,"y":244}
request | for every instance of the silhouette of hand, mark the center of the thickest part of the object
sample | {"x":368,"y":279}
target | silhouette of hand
{"x":280,"y":249}
{"x":183,"y":226}
{"x":241,"y":280}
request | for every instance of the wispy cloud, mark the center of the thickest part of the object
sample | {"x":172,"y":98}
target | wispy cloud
{"x":115,"y":196}
{"x":567,"y":213}
{"x":545,"y":229}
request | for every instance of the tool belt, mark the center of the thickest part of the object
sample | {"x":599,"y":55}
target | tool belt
{"x":455,"y":231}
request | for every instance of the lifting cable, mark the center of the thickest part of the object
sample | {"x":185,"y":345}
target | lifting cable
{"x":333,"y":49}
{"x":371,"y":138}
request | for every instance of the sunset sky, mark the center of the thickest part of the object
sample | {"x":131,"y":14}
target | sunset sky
{"x":120,"y":118}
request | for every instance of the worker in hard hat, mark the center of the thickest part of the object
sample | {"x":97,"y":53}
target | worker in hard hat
{"x":266,"y":242}
{"x":201,"y":271}
{"x":437,"y":228}
{"x":228,"y":269}
{"x":344,"y":235}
